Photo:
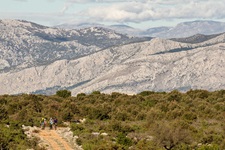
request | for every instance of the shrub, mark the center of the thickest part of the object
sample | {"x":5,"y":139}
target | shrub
{"x":209,"y":147}
{"x":170,"y":134}
{"x":99,"y":113}
{"x":219,"y":106}
{"x":173,"y":114}
{"x":146,"y":145}
{"x":123,"y":140}
{"x":154,"y":115}
{"x":116,"y":126}
{"x":149,"y":102}
{"x":96,"y":92}
{"x":115,"y":95}
{"x":122,"y":116}
{"x":63,"y":93}
{"x":81,"y":95}
{"x":174,"y":96}
{"x":146,"y":93}
{"x":174,"y":120}
{"x":77,"y":128}
{"x":12,"y":137}
{"x":67,"y":115}
{"x":202,"y":94}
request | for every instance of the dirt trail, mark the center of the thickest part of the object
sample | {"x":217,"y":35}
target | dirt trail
{"x":54,"y":140}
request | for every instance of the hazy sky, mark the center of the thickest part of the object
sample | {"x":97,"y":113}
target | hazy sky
{"x":136,"y":13}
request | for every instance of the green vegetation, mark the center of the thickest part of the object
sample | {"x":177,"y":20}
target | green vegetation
{"x":146,"y":121}
{"x":63,"y":93}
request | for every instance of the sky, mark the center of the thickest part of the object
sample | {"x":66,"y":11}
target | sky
{"x":136,"y":13}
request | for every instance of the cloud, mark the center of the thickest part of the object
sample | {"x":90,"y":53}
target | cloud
{"x":146,"y":10}
{"x":118,"y":13}
{"x":127,"y":11}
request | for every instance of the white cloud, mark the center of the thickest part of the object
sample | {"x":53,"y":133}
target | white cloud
{"x":145,"y":10}
{"x":128,"y":11}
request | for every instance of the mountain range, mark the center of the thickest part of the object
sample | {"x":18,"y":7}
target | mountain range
{"x":181,"y":30}
{"x":40,"y":59}
{"x":26,"y":44}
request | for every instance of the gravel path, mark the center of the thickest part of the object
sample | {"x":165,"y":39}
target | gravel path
{"x":54,"y":140}
{"x":60,"y":139}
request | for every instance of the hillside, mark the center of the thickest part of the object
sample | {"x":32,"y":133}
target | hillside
{"x":148,"y":120}
{"x":107,"y":62}
{"x":25,"y":44}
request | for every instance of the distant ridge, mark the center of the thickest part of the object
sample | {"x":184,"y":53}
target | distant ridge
{"x":181,"y":30}
{"x":198,"y":38}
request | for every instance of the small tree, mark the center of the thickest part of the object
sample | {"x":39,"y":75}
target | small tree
{"x":171,"y":135}
{"x":63,"y":93}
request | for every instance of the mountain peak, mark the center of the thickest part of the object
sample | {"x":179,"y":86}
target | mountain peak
{"x":21,"y":23}
{"x":96,"y":29}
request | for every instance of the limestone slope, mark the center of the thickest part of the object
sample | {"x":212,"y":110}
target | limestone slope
{"x":158,"y":65}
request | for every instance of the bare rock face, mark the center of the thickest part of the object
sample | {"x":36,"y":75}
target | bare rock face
{"x":163,"y":71}
{"x":157,"y":64}
{"x":25,"y":44}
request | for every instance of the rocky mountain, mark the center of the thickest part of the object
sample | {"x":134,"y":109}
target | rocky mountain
{"x":123,"y":29}
{"x":181,"y":30}
{"x":191,"y":28}
{"x":155,"y":31}
{"x":79,"y":25}
{"x":128,"y":67}
{"x":25,"y":44}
